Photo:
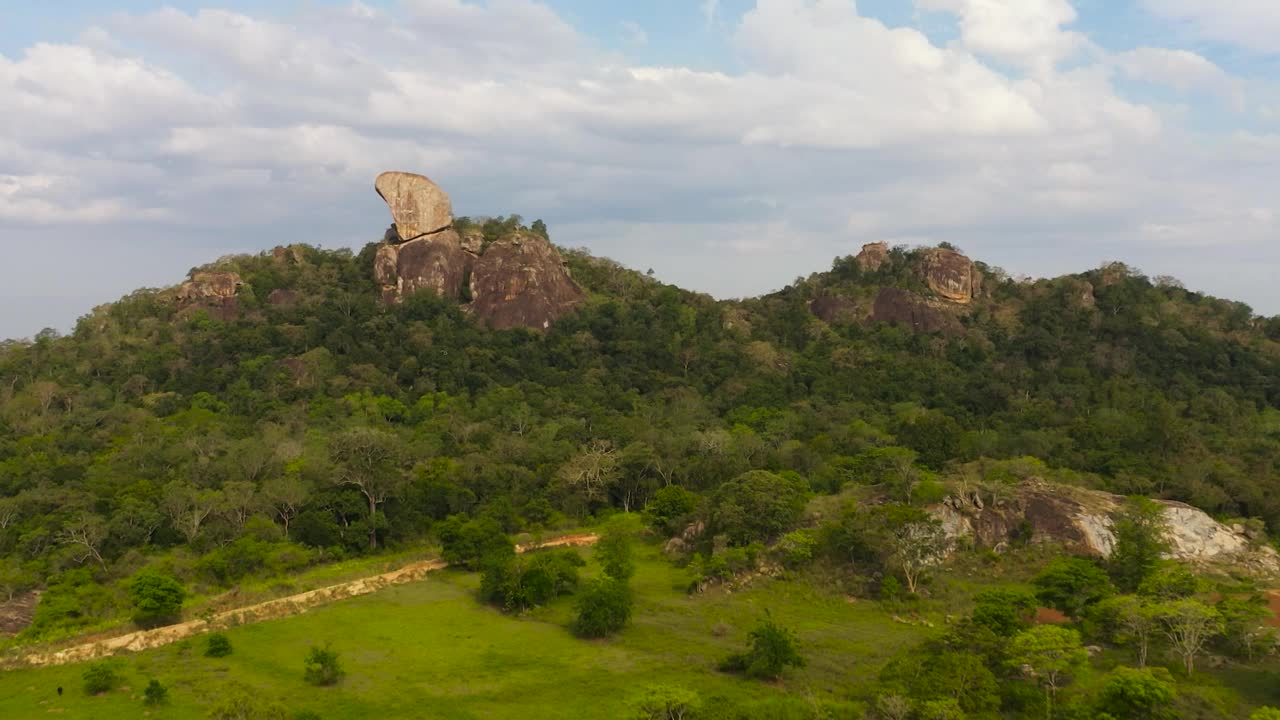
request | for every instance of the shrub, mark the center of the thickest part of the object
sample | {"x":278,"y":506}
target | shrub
{"x":670,"y":507}
{"x":469,"y":542}
{"x":795,"y":549}
{"x":217,"y":645}
{"x":758,"y":505}
{"x":614,"y":553}
{"x":322,"y":667}
{"x":519,"y":583}
{"x":155,"y":693}
{"x":156,"y":598}
{"x":603,"y":608}
{"x":99,"y":678}
{"x":665,"y":702}
{"x":772,"y":649}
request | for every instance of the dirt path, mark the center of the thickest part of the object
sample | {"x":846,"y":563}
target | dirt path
{"x":270,"y":610}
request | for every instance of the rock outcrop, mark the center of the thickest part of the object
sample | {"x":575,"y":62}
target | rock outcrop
{"x":903,"y":307}
{"x":418,"y":206}
{"x":873,"y":256}
{"x":1081,"y":521}
{"x":950,"y":275}
{"x":521,"y":281}
{"x":517,"y":281}
{"x":437,"y":263}
{"x":211,"y":291}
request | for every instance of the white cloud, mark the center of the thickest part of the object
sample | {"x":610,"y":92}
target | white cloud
{"x":1179,"y":69}
{"x":1252,"y":24}
{"x":1028,"y":33}
{"x":218,"y":130}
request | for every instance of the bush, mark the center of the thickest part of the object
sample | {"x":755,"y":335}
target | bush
{"x":156,"y":598}
{"x":795,"y":549}
{"x":603,"y":608}
{"x":614,"y":553}
{"x":665,"y":702}
{"x":670,"y":508}
{"x":322,"y":667}
{"x":470,"y":543}
{"x":773,"y":648}
{"x":217,"y":645}
{"x":519,"y":583}
{"x":99,"y":678}
{"x":758,"y":506}
{"x":155,"y":693}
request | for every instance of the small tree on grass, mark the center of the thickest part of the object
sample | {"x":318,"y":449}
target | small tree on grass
{"x":322,"y":667}
{"x":157,"y":598}
{"x":1130,"y":619}
{"x":604,"y":608}
{"x":666,"y":702}
{"x":773,"y":648}
{"x":155,"y":693}
{"x":915,"y":547}
{"x":99,"y":678}
{"x":614,"y":552}
{"x":217,"y":645}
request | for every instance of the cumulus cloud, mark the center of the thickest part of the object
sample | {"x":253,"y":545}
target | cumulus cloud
{"x":1252,"y":24}
{"x":220,"y":130}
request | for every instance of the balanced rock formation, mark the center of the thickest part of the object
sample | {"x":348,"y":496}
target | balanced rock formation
{"x":873,"y":256}
{"x":521,"y":281}
{"x":418,"y":206}
{"x":436,"y":263}
{"x":518,"y":281}
{"x":951,"y":275}
{"x":211,"y":291}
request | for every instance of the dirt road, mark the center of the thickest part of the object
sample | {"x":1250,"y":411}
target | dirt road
{"x":270,"y":610}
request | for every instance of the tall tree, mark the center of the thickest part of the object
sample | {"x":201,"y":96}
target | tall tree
{"x":370,"y":461}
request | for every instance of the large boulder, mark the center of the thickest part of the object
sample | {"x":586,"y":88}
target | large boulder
{"x":418,"y":206}
{"x":437,"y":263}
{"x":903,"y":307}
{"x":521,"y":281}
{"x":211,"y":291}
{"x":873,"y":256}
{"x":950,"y":275}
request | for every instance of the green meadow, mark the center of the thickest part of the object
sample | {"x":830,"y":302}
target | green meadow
{"x":430,"y":650}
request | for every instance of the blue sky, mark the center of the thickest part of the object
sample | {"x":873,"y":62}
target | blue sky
{"x":730,"y":150}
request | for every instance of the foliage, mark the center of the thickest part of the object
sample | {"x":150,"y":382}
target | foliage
{"x":670,"y":507}
{"x":1052,"y":653}
{"x":772,"y":648}
{"x":322,"y":666}
{"x":1072,"y":585}
{"x":155,"y":693}
{"x":1189,"y":625}
{"x":217,"y":645}
{"x":518,"y":583}
{"x":156,"y":597}
{"x":468,"y":541}
{"x":1141,"y":540}
{"x":758,"y":506}
{"x":1140,"y":694}
{"x":795,"y":549}
{"x":616,"y":555}
{"x":100,"y":677}
{"x":241,"y":703}
{"x":666,"y":702}
{"x":1005,"y":612}
{"x":603,"y":608}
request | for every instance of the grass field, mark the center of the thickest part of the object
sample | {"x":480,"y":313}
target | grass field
{"x":429,"y":650}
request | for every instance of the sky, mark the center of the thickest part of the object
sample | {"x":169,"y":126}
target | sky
{"x":731,"y":146}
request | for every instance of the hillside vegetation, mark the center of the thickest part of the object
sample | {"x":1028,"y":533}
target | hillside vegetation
{"x":162,"y":451}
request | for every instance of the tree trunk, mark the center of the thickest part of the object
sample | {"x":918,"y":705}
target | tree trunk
{"x":373,"y":526}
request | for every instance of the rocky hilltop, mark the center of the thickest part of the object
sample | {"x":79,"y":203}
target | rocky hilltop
{"x":517,"y":281}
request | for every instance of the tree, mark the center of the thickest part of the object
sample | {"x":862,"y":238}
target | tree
{"x":1006,"y":612}
{"x":1189,"y":625}
{"x":603,"y":608}
{"x":666,"y":702}
{"x":156,"y":597}
{"x":88,"y":532}
{"x":1140,"y":694}
{"x":1265,"y":713}
{"x":217,"y":645}
{"x":238,"y":500}
{"x":592,"y":472}
{"x":615,"y":554}
{"x":1169,"y":580}
{"x":1072,"y":584}
{"x":758,"y":506}
{"x":100,"y":677}
{"x":155,"y":693}
{"x":285,"y":496}
{"x":188,"y":507}
{"x":917,"y":546}
{"x":1130,"y":619}
{"x":1141,"y":536}
{"x":540,"y":228}
{"x":369,"y":460}
{"x":322,"y":666}
{"x":669,"y":506}
{"x":1243,"y":625}
{"x":468,"y":542}
{"x":1051,"y":654}
{"x":772,"y":649}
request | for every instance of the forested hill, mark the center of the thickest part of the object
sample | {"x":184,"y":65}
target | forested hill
{"x":190,"y":416}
